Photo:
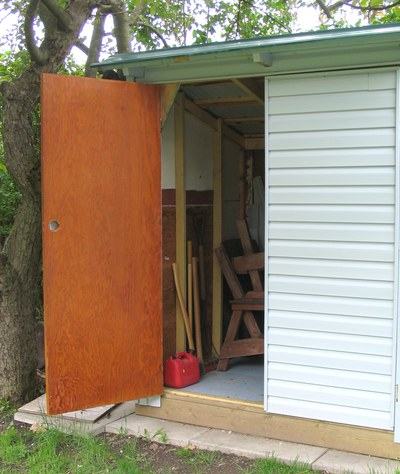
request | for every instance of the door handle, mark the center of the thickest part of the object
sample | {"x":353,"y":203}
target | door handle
{"x":54,"y":225}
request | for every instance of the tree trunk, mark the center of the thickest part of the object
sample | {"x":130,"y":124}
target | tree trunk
{"x":20,"y":257}
{"x":20,"y":263}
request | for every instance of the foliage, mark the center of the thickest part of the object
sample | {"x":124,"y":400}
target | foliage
{"x":179,"y":22}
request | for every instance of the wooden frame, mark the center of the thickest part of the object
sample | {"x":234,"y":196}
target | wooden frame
{"x":217,"y":238}
{"x":180,"y":219}
{"x":250,"y":418}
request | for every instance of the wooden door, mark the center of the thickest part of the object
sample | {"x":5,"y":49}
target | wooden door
{"x":101,"y":241}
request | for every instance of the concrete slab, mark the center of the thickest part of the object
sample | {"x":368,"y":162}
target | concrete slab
{"x":339,"y":462}
{"x":89,"y":415}
{"x":33,"y":413}
{"x":177,"y":434}
{"x":256,"y":447}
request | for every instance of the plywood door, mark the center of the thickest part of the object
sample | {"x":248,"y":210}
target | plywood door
{"x":101,"y":241}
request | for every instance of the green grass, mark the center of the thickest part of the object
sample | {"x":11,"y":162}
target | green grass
{"x":53,"y":452}
{"x":7,"y":410}
{"x":196,"y":457}
{"x":273,"y":466}
{"x":50,"y":451}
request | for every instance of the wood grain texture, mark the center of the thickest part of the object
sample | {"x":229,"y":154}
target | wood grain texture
{"x":102,"y":267}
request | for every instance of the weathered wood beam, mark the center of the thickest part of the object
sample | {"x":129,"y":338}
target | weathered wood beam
{"x":252,"y":88}
{"x":168,"y":95}
{"x":212,"y":122}
{"x":234,"y":136}
{"x":226,"y":100}
{"x":256,"y":143}
{"x":217,"y":238}
{"x":180,"y":213}
{"x":243,"y":119}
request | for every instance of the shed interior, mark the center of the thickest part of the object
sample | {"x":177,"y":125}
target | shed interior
{"x":213,"y":177}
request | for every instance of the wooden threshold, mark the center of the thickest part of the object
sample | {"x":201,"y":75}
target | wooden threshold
{"x":250,"y":418}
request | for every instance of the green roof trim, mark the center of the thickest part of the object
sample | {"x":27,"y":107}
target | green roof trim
{"x":260,"y":42}
{"x":323,"y":50}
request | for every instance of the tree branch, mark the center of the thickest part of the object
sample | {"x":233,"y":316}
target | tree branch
{"x":36,"y":54}
{"x":82,"y":46}
{"x":95,"y":43}
{"x":63,"y":18}
{"x":371,"y":8}
{"x":155,"y":31}
{"x":121,"y":24}
{"x":325,"y":9}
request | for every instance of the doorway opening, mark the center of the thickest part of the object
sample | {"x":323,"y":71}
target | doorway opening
{"x":213,"y":187}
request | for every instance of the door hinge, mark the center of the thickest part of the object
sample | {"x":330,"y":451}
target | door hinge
{"x":396,"y":393}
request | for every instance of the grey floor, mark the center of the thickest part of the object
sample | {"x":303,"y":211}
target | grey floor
{"x":244,"y":380}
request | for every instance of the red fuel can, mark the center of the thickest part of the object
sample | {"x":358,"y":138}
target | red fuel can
{"x":181,"y":370}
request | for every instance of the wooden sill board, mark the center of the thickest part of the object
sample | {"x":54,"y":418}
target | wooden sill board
{"x":250,"y":418}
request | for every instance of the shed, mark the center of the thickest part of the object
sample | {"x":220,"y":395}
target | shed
{"x":133,"y":169}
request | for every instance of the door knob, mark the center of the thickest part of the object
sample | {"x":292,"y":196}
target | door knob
{"x":54,"y":225}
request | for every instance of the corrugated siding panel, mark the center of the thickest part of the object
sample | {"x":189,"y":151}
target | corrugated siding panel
{"x":331,"y":208}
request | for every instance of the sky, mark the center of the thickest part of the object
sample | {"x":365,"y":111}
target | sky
{"x":307,"y":20}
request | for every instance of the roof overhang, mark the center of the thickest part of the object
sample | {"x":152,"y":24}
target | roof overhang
{"x":318,"y":51}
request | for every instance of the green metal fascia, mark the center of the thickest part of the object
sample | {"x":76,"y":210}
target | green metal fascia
{"x":321,"y":50}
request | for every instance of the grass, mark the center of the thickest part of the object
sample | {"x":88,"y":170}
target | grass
{"x":271,"y":465}
{"x":197,"y":459}
{"x":7,"y":410}
{"x":47,"y":450}
{"x":53,"y":452}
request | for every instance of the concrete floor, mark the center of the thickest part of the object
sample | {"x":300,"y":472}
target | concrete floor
{"x":244,"y":380}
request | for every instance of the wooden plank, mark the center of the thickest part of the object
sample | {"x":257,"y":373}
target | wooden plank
{"x":230,"y":276}
{"x":254,"y":143}
{"x":226,"y":100}
{"x":200,"y":113}
{"x":102,"y":266}
{"x":212,"y":122}
{"x":217,"y":238}
{"x":252,"y":88}
{"x":245,"y":263}
{"x":250,"y":418}
{"x":242,"y":347}
{"x":180,"y":223}
{"x":245,"y":239}
{"x":243,"y":119}
{"x":168,"y":95}
{"x":232,"y":135}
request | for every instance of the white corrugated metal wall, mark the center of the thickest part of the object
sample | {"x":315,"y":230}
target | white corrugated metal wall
{"x":330,"y":215}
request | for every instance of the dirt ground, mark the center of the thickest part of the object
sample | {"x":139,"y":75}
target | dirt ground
{"x":164,"y":458}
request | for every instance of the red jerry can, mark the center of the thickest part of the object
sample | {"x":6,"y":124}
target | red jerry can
{"x":181,"y":370}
